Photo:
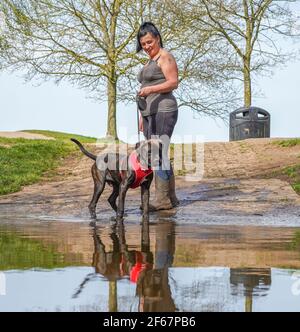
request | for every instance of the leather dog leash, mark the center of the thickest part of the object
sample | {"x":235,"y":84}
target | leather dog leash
{"x":138,"y":123}
{"x":141,"y":105}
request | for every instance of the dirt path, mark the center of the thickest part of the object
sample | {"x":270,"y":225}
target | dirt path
{"x":248,"y":158}
{"x":22,"y":134}
{"x":234,"y":190}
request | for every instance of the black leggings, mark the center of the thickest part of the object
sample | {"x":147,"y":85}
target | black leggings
{"x":160,"y":124}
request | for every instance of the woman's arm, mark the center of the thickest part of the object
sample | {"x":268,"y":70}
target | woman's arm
{"x":169,"y":68}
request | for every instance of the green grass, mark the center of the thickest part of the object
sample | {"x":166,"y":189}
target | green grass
{"x":67,"y":136}
{"x":288,"y":142}
{"x":24,"y":161}
{"x":293,"y":174}
{"x":296,"y":187}
{"x":292,"y":171}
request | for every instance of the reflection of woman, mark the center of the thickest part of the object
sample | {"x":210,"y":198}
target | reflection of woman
{"x":153,"y":286}
{"x":158,"y":78}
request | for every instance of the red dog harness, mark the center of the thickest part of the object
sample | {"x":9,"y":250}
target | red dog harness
{"x":140,"y":173}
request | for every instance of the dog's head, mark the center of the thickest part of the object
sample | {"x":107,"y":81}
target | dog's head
{"x":149,"y":153}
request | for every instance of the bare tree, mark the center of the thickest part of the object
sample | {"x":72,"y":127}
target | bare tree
{"x":202,"y":87}
{"x":91,"y":43}
{"x":245,"y":34}
{"x":87,"y":42}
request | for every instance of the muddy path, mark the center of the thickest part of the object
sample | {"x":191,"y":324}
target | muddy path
{"x":237,"y":188}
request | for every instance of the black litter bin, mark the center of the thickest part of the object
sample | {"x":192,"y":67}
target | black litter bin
{"x":249,"y":122}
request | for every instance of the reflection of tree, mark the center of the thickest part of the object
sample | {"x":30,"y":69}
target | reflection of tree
{"x":113,"y":297}
{"x":250,"y":278}
{"x":153,"y":286}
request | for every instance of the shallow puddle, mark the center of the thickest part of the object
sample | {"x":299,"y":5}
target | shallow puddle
{"x":48,"y":265}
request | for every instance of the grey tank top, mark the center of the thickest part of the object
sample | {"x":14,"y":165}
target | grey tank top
{"x":151,"y":74}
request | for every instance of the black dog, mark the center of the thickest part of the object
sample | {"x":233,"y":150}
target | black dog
{"x":109,"y":168}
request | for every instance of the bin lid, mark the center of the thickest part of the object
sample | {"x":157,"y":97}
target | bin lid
{"x":249,"y":112}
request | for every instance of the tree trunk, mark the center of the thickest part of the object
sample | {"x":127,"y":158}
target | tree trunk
{"x":112,"y":110}
{"x":247,"y":84}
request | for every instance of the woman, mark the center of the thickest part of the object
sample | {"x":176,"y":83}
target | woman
{"x":158,"y":78}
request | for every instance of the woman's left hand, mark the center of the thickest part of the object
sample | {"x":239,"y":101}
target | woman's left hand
{"x":146,"y":91}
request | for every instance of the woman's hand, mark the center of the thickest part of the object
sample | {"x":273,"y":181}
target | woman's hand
{"x":146,"y":91}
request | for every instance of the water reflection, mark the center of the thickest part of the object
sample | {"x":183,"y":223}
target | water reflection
{"x":250,"y":282}
{"x":164,"y":267}
{"x":111,"y":264}
{"x":148,"y":273}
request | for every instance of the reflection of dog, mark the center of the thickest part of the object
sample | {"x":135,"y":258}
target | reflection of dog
{"x":113,"y":262}
{"x":122,"y":172}
{"x":116,"y":263}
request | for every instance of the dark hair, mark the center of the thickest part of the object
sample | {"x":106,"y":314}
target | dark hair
{"x":147,"y":27}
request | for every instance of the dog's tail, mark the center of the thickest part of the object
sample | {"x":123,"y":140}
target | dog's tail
{"x":83,"y":150}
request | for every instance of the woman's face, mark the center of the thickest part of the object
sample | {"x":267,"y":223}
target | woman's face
{"x":150,"y":44}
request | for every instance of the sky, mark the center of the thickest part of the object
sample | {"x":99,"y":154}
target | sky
{"x":66,"y":108}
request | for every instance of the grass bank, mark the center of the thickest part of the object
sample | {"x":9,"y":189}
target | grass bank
{"x":291,"y":173}
{"x":63,"y":136}
{"x":287,"y":143}
{"x":293,"y":176}
{"x":24,"y":161}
